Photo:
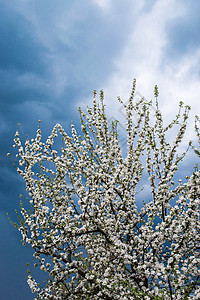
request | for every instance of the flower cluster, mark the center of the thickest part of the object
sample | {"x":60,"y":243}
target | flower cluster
{"x":85,"y":225}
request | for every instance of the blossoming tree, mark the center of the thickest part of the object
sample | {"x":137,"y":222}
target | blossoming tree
{"x":85,"y":225}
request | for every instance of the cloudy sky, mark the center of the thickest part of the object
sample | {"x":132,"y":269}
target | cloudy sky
{"x":54,"y":53}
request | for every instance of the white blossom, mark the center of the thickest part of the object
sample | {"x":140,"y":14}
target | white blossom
{"x":85,"y":216}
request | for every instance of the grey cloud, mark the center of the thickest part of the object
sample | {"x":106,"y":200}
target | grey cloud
{"x":19,"y":50}
{"x":183,"y":32}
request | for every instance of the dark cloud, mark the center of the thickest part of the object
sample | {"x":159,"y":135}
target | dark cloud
{"x":13,"y":259}
{"x":56,"y":53}
{"x":20,"y":51}
{"x":83,"y":40}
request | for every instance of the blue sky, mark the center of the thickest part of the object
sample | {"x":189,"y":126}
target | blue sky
{"x":54,"y":53}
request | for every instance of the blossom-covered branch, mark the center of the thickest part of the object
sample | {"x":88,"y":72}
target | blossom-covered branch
{"x":85,"y":225}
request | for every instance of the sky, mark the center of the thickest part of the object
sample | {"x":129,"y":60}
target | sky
{"x":54,"y":53}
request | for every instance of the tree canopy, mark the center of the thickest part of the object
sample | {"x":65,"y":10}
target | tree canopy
{"x":92,"y":231}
